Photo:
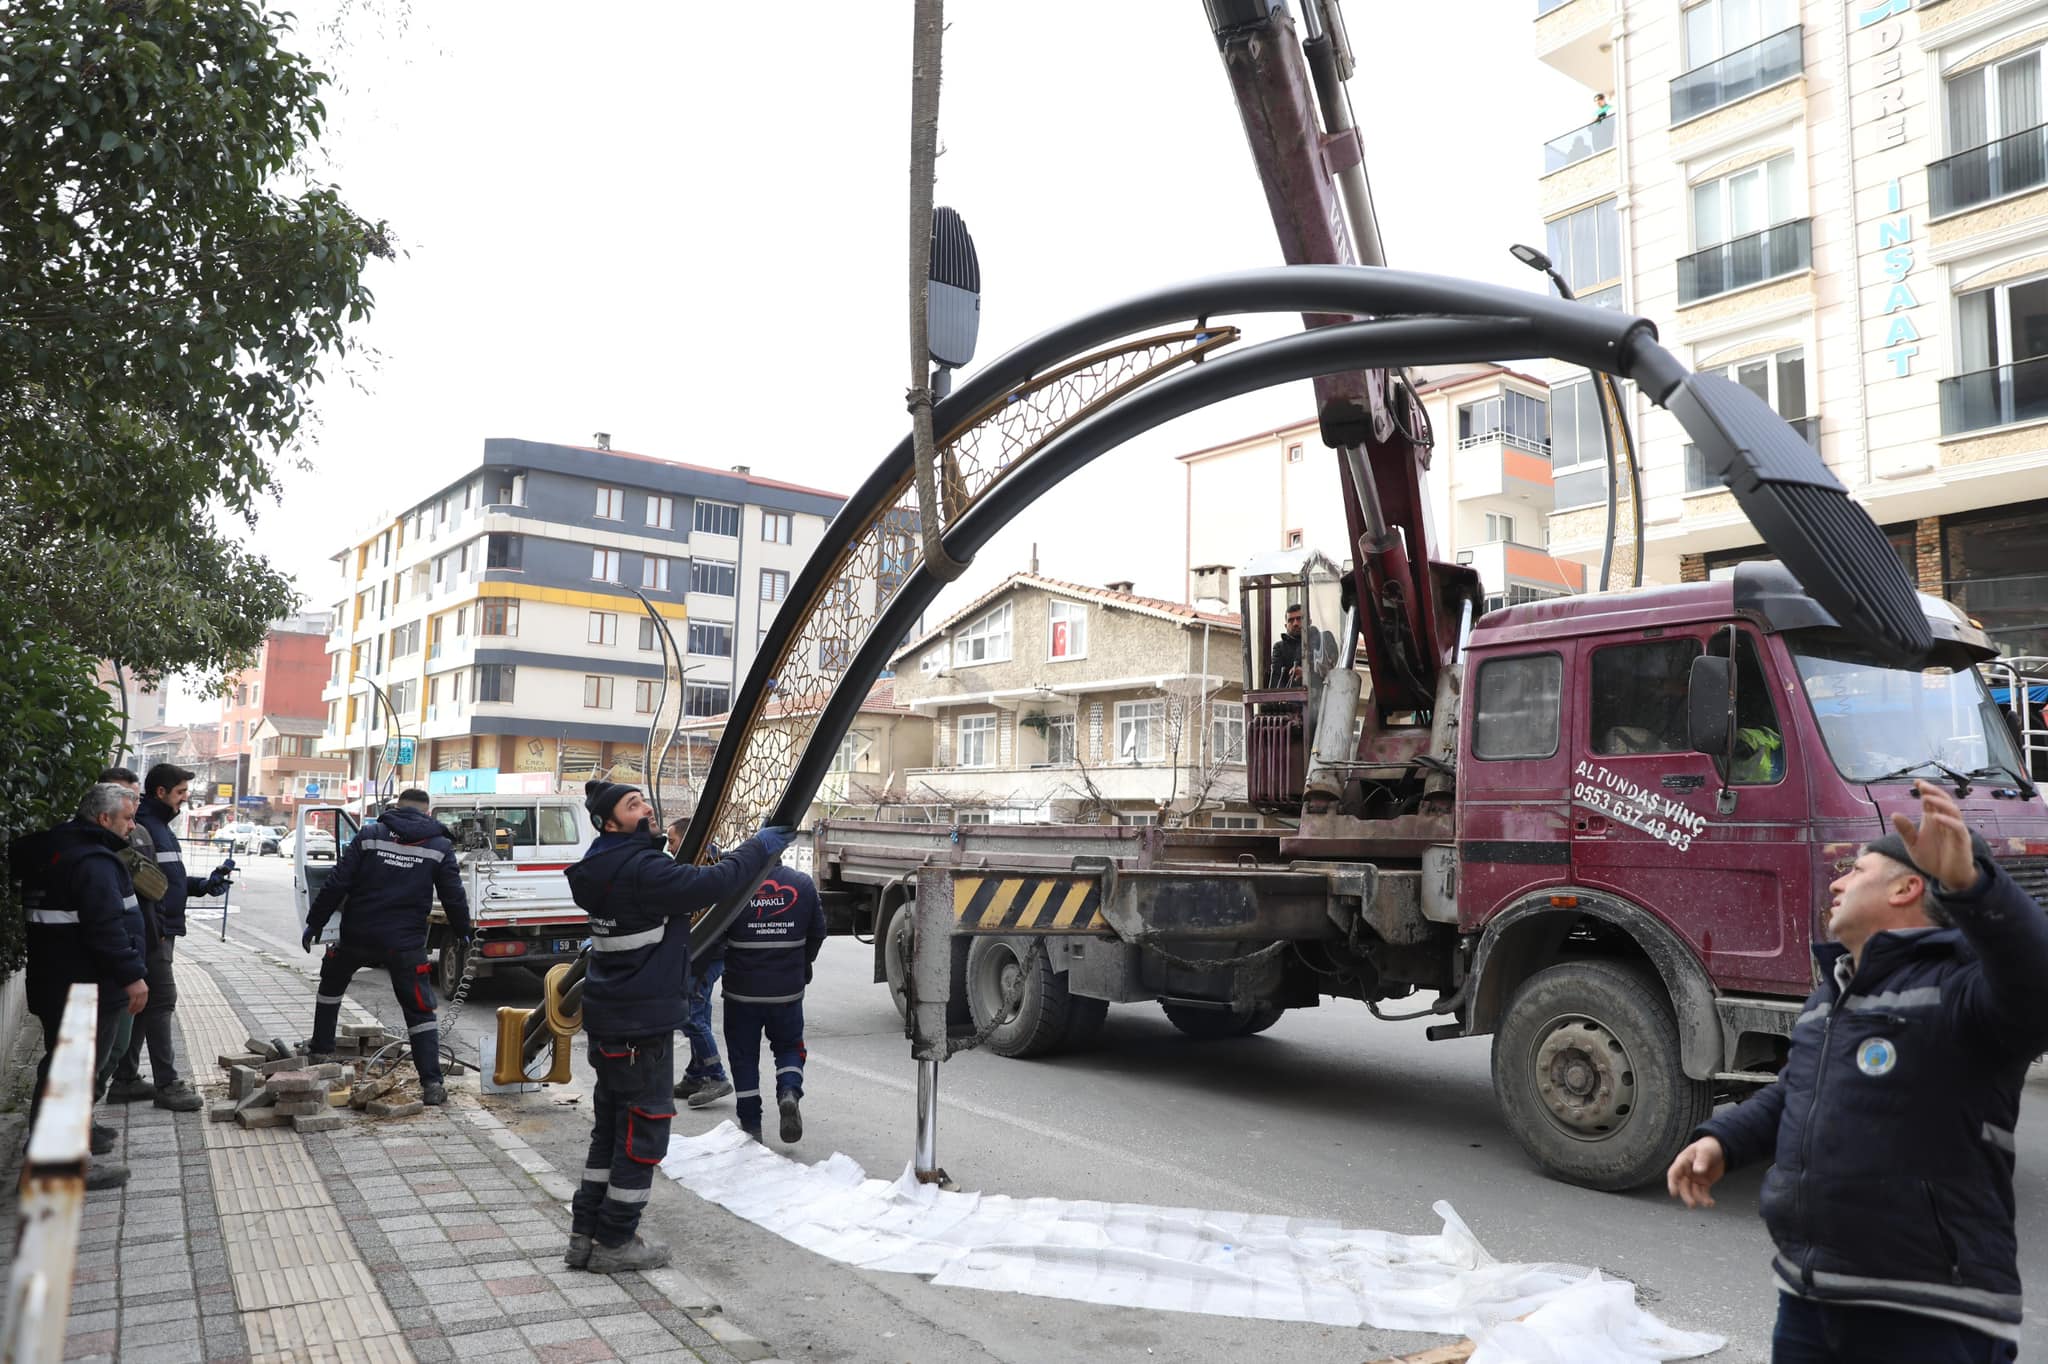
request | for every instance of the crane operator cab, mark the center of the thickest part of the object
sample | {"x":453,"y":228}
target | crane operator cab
{"x":1295,"y":628}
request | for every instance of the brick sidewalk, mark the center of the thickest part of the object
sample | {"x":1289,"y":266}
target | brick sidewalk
{"x":420,"y":1238}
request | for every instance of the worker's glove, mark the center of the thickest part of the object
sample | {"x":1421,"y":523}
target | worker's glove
{"x":774,"y":838}
{"x":807,"y":973}
{"x":306,"y":938}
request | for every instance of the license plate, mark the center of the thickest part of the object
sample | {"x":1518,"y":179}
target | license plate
{"x":566,"y":944}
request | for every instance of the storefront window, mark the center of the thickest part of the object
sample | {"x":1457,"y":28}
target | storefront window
{"x":1996,"y":570}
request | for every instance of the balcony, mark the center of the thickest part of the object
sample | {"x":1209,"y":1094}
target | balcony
{"x":1503,"y":464}
{"x":1999,"y":396}
{"x":1699,"y":480}
{"x":1992,"y":171}
{"x":1786,"y":249}
{"x":1572,"y":38}
{"x":1578,"y":145}
{"x":1740,"y":74}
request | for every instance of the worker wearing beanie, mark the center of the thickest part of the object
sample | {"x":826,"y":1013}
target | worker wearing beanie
{"x":635,"y":998}
{"x":1891,"y":1122}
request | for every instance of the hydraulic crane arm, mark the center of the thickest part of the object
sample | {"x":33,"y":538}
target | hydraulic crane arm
{"x":1311,"y":163}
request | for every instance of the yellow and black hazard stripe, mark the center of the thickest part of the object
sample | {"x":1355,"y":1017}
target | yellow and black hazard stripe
{"x":1027,"y":904}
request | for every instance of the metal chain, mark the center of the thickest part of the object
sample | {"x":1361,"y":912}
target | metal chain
{"x":1013,"y":1000}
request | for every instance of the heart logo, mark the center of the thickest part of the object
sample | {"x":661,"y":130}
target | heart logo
{"x":781,"y":901}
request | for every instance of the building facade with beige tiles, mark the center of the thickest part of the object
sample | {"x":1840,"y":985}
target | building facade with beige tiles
{"x":1842,"y":205}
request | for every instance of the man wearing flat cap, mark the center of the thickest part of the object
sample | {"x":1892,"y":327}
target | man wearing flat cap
{"x":1891,"y":1197}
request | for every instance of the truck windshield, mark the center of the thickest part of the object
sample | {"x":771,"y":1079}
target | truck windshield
{"x":1884,"y":723}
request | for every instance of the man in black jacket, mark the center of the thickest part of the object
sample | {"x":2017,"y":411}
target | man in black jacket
{"x":84,"y":926}
{"x":388,"y":878}
{"x":770,"y":949}
{"x":1891,"y":1199}
{"x":165,"y":791}
{"x":640,"y":902}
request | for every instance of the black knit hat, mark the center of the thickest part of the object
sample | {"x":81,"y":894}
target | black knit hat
{"x":600,"y":796}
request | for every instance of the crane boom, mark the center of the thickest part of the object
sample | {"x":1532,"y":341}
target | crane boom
{"x":1405,"y":601}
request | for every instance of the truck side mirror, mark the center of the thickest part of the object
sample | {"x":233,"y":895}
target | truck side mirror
{"x":1709,"y":718}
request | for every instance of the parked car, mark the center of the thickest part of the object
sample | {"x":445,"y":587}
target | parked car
{"x":267,"y":843}
{"x":319,"y":843}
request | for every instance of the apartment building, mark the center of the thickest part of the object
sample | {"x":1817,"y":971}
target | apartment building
{"x":1842,"y":206}
{"x":1489,"y":489}
{"x":1056,"y":702}
{"x":285,"y":680}
{"x":872,"y":764}
{"x":495,"y":616}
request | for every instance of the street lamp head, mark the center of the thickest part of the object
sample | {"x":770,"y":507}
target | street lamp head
{"x":1530,"y":256}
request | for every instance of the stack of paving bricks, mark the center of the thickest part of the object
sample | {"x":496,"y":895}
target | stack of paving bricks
{"x":273,"y":1084}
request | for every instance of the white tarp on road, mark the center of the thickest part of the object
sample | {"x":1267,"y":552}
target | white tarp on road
{"x":1184,"y":1259}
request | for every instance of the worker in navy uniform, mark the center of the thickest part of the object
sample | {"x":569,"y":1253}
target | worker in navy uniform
{"x":769,"y":951}
{"x":1892,"y":1122}
{"x":84,"y":926}
{"x":165,"y":791}
{"x":640,"y":901}
{"x":384,"y":885}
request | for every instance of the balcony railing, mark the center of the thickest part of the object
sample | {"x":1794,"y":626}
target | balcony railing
{"x":1992,"y":171}
{"x":1738,"y":75}
{"x":1507,"y":438}
{"x":1578,"y":144}
{"x":1998,"y":396}
{"x":1784,"y":249}
{"x":1698,"y":480}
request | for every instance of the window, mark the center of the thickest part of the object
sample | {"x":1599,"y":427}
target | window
{"x":1226,"y":733}
{"x":494,"y":681}
{"x":856,"y":753}
{"x":933,"y":661}
{"x":611,"y":504}
{"x":462,"y":620}
{"x":654,"y":573}
{"x":986,"y":640}
{"x":405,"y":698}
{"x":604,"y":627}
{"x":661,"y":512}
{"x":405,"y":640}
{"x":1748,"y":201}
{"x":241,"y":730}
{"x":716,"y":518}
{"x":497,"y":616}
{"x":1500,"y":528}
{"x":242,"y":695}
{"x":503,"y":551}
{"x":1638,"y":701}
{"x":1576,"y":440}
{"x":435,"y":629}
{"x":1294,"y":539}
{"x":1586,"y":248}
{"x":1719,"y":27}
{"x":774,"y":584}
{"x":1140,"y":731}
{"x":778,"y":528}
{"x":512,"y":493}
{"x":977,"y":741}
{"x":706,"y":698}
{"x":970,"y":816}
{"x":1233,"y":821}
{"x":1780,"y":380}
{"x":643,"y":697}
{"x":462,"y":559}
{"x":1294,"y":454}
{"x":1516,"y":709}
{"x":710,"y":640}
{"x":597,"y":693}
{"x":604,"y":565}
{"x":1066,"y":630}
{"x":2001,"y":358}
{"x":1759,"y":741}
{"x":1061,"y":746}
{"x":1137,"y":819}
{"x":560,"y":826}
{"x":833,"y":655}
{"x":714,"y":579}
{"x":648,"y":639}
{"x":1995,"y":134}
{"x":1520,"y":419}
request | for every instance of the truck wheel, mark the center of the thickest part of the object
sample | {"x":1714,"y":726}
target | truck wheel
{"x":1211,"y":1025}
{"x":896,"y":968}
{"x":1047,"y":1015}
{"x":1586,"y":1066}
{"x":448,"y":967}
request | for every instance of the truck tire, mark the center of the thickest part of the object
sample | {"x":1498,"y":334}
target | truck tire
{"x":896,"y":969}
{"x":1211,"y":1025}
{"x":448,"y":967}
{"x":1587,"y":1070}
{"x":1047,"y":1015}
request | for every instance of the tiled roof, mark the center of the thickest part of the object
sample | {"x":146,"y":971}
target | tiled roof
{"x":1159,"y":607}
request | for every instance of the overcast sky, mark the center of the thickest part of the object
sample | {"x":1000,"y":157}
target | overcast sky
{"x":684,"y":225}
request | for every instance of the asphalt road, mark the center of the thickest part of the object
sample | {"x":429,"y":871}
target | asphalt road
{"x":1331,"y":1114}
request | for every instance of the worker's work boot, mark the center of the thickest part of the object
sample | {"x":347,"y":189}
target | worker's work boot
{"x":710,"y":1092}
{"x":577,"y":1256}
{"x":433,"y":1093}
{"x":103,"y":1138}
{"x":792,"y":1119}
{"x":320,"y":1058}
{"x":179,"y":1097}
{"x":637,"y":1254}
{"x":130,"y":1091}
{"x":105,"y":1174}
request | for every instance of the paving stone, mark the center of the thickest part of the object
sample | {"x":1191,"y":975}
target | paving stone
{"x":322,"y":1122}
{"x":294,"y":1105}
{"x":378,"y":1108}
{"x":261,"y":1117}
{"x":221,"y":1111}
{"x":295,"y":1082}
